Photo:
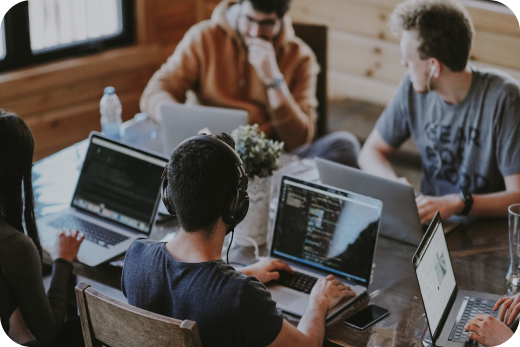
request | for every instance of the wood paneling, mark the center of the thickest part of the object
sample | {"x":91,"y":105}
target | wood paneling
{"x":363,"y":50}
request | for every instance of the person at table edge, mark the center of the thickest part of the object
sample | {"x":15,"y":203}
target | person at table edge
{"x":187,"y":279}
{"x":248,"y":57}
{"x":465,"y":121}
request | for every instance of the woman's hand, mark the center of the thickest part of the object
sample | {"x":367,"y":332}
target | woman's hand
{"x":67,"y":244}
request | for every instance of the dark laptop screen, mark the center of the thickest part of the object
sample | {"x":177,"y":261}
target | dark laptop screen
{"x":327,"y":228}
{"x":120,"y":184}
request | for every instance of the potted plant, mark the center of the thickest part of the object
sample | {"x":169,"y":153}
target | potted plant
{"x":260,"y":156}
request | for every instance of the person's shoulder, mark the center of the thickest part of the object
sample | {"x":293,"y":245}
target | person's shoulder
{"x":141,"y":246}
{"x":499,"y":82}
{"x":14,"y":243}
{"x":207,"y":29}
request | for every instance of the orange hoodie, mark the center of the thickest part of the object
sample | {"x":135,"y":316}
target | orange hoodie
{"x":212,"y":62}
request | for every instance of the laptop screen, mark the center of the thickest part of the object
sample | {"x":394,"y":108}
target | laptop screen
{"x":327,"y":228}
{"x":435,"y":275}
{"x":120,"y":184}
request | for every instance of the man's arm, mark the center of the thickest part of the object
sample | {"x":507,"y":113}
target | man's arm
{"x":178,"y":75}
{"x":485,"y":205}
{"x":311,"y":330}
{"x":293,"y":113}
{"x":374,"y":157}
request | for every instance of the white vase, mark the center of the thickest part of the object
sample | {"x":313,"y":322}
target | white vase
{"x":255,"y":225}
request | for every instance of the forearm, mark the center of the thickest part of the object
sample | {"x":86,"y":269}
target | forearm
{"x":292,"y":125}
{"x":376,"y":163}
{"x":312,"y":323}
{"x":495,"y":204}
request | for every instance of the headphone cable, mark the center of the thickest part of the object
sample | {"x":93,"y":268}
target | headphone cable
{"x":229,"y":247}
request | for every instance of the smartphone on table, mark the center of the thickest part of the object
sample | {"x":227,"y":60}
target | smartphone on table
{"x":366,"y":317}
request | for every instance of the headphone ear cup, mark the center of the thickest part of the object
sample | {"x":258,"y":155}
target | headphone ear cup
{"x":165,"y":199}
{"x":236,"y":208}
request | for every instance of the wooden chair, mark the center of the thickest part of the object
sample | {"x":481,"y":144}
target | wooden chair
{"x":106,"y":321}
{"x":316,"y":36}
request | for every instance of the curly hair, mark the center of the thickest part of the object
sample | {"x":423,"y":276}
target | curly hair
{"x":444,"y":27}
{"x":201,"y":179}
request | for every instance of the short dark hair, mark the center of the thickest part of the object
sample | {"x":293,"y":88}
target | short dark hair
{"x":269,"y":6}
{"x":201,"y":179}
{"x":444,"y":26}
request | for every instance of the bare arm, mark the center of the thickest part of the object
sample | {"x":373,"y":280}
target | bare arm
{"x":496,"y":204}
{"x":485,"y":205}
{"x":374,"y":157}
{"x":311,"y":329}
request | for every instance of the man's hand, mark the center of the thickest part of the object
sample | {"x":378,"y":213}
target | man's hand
{"x":330,"y":291}
{"x":488,"y":330}
{"x":447,"y":205}
{"x":510,"y":309}
{"x":263,"y":59}
{"x":266,"y":270}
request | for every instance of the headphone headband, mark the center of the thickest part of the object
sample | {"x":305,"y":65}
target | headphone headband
{"x":225,"y":148}
{"x":237,"y":205}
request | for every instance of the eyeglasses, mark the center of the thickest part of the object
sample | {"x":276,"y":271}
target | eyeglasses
{"x":265,"y":25}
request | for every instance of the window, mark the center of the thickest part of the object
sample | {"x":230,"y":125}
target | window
{"x":46,"y":30}
{"x":2,"y":40}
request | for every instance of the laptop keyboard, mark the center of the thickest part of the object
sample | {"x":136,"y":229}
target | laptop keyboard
{"x":474,"y":306}
{"x":93,"y":232}
{"x":297,"y":281}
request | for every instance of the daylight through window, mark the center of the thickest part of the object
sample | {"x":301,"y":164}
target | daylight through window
{"x":2,"y":42}
{"x":57,"y":23}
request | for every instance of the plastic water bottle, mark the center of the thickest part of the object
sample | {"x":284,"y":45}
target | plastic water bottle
{"x":110,"y":108}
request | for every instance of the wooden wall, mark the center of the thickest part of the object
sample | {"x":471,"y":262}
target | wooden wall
{"x":364,"y":56}
{"x":60,"y":100}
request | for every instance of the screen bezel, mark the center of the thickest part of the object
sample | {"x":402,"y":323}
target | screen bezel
{"x":334,"y":190}
{"x":382,"y":313}
{"x":416,"y":259}
{"x":126,"y":146}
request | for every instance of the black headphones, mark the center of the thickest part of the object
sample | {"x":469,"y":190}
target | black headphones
{"x":235,"y":208}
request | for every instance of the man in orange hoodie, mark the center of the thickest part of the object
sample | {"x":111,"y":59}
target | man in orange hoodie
{"x":248,"y":57}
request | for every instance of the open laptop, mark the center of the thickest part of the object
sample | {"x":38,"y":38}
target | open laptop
{"x":319,"y":231}
{"x":115,"y":200}
{"x":400,"y":219}
{"x":447,"y":308}
{"x":180,"y":122}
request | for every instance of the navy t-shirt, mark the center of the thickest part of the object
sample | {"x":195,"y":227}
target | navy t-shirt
{"x":230,"y":308}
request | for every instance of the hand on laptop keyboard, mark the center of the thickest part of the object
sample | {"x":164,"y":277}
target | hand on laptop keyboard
{"x":267,"y":270}
{"x":67,"y":244}
{"x":331,"y":290}
{"x":488,"y":330}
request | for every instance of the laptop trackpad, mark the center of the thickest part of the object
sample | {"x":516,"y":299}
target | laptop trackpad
{"x":285,"y":297}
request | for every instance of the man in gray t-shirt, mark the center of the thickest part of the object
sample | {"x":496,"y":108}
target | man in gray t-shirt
{"x":465,"y":122}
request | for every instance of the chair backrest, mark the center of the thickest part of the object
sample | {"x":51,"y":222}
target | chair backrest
{"x":106,"y":321}
{"x":316,"y":36}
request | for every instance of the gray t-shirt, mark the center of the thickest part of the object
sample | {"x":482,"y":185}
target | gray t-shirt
{"x":467,"y":147}
{"x":230,"y":308}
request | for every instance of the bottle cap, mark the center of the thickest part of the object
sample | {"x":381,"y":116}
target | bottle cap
{"x":110,"y":90}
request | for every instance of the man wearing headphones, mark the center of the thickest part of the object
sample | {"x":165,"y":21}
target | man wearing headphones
{"x":465,"y":121}
{"x":204,"y":185}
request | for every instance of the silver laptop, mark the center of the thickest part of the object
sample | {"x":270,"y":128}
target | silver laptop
{"x":115,"y":200}
{"x":400,"y":218}
{"x":180,"y":122}
{"x":319,"y":231}
{"x":447,"y":308}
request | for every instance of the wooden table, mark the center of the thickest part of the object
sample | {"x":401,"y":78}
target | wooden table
{"x":479,"y":252}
